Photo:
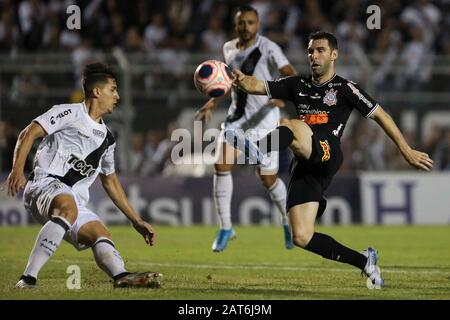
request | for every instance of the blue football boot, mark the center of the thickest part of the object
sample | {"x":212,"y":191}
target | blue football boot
{"x":222,"y":238}
{"x":371,"y":270}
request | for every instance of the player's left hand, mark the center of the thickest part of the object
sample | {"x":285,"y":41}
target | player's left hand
{"x":146,"y":230}
{"x":418,"y":159}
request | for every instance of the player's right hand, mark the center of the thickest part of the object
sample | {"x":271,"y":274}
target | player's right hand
{"x":16,"y":181}
{"x":419,"y":160}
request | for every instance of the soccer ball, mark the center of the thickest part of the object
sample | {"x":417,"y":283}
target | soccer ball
{"x":213,"y":78}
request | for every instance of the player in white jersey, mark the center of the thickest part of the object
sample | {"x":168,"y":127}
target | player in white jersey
{"x":254,"y":55}
{"x":76,"y":147}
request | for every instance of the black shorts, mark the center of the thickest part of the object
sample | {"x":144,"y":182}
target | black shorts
{"x":310,"y":178}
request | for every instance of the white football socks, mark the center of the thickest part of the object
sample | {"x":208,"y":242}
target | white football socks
{"x":222,"y":191}
{"x":278,"y":194}
{"x":107,"y":257}
{"x":47,"y":242}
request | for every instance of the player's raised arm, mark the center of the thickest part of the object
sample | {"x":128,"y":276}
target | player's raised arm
{"x":114,"y":189}
{"x":205,"y":112}
{"x":16,"y":179}
{"x":249,"y":84}
{"x":417,"y":159}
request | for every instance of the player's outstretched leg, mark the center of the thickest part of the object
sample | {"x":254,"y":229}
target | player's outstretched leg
{"x":371,"y":269}
{"x":95,"y":235}
{"x":302,"y":218}
{"x":110,"y":261}
{"x":47,"y":242}
{"x":49,"y":238}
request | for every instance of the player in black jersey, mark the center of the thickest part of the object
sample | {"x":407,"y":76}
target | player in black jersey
{"x":323,"y":102}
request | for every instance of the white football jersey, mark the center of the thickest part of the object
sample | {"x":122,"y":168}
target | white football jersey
{"x":76,"y":148}
{"x":267,"y":68}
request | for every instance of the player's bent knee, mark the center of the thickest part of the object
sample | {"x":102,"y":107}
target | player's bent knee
{"x":302,"y":239}
{"x":65,"y":209}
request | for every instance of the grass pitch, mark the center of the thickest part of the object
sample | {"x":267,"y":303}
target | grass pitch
{"x":415,"y":262}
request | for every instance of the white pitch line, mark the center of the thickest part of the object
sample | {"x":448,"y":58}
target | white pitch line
{"x":259,"y":267}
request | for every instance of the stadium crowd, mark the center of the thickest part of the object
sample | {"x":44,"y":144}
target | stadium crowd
{"x":412,"y":33}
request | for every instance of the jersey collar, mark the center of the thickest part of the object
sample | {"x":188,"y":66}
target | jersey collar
{"x":322,"y":84}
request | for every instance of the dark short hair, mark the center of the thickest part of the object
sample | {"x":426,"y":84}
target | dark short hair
{"x":319,"y":35}
{"x":245,"y":8}
{"x":96,"y":74}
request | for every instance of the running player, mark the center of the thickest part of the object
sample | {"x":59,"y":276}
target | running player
{"x":255,"y":55}
{"x":324,"y":102}
{"x":76,"y":148}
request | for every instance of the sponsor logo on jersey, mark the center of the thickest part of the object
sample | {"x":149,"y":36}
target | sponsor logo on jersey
{"x":81,"y":166}
{"x":60,"y":115}
{"x":82,"y":134}
{"x":331,"y":85}
{"x":330,"y":98}
{"x":359,"y":94}
{"x":98,"y":133}
{"x":326,"y":150}
{"x":312,"y":119}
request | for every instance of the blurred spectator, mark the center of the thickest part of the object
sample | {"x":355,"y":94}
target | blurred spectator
{"x":8,"y":138}
{"x":32,"y":14}
{"x":137,"y":154}
{"x":441,"y":153}
{"x":213,"y":38}
{"x":9,"y":32}
{"x":421,"y":20}
{"x":155,"y":32}
{"x":27,"y":90}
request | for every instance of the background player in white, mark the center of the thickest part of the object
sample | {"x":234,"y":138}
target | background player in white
{"x":255,"y":55}
{"x":77,"y":146}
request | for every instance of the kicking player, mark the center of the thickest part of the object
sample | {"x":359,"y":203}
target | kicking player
{"x":76,"y":148}
{"x":253,"y":55}
{"x":324,"y":102}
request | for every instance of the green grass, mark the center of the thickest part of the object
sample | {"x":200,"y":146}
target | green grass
{"x":415,"y":262}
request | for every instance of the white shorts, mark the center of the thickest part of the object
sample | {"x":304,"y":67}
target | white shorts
{"x":270,"y":165}
{"x":38,"y":196}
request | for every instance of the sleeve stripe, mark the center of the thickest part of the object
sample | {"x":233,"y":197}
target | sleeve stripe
{"x":267,"y":89}
{"x":372,"y":111}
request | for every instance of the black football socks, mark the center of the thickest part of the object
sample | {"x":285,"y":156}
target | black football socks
{"x":329,"y":248}
{"x":278,"y":139}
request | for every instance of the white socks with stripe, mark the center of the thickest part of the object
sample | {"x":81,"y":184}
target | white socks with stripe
{"x":222,"y":191}
{"x":107,"y":257}
{"x":278,"y":194}
{"x":47,"y":242}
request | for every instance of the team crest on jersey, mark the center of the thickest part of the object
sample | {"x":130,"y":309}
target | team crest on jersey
{"x":330,"y":98}
{"x":326,"y":150}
